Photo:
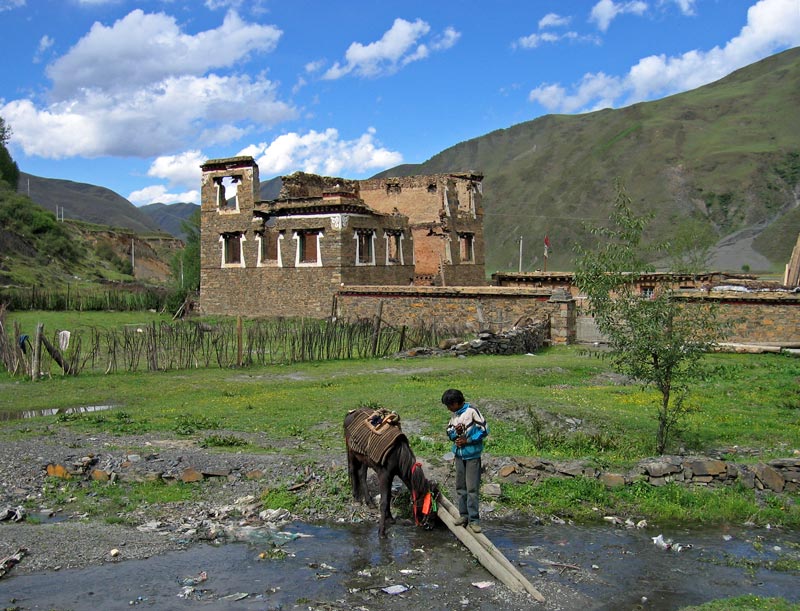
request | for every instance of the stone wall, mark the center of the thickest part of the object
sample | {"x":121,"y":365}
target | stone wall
{"x":778,"y":475}
{"x":758,"y":317}
{"x":474,"y":309}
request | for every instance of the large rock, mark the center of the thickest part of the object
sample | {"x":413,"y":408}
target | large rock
{"x":771,"y":478}
{"x":710,"y":467}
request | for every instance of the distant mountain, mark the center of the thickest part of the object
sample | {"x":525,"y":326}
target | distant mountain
{"x":724,"y":159}
{"x":84,"y":202}
{"x":170,"y":217}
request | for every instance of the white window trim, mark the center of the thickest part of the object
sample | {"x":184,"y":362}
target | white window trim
{"x":297,"y":262}
{"x":391,"y":236}
{"x":372,"y":236}
{"x":242,"y":240}
{"x":270,"y":262}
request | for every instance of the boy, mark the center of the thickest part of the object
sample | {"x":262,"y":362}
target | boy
{"x":466,"y":429}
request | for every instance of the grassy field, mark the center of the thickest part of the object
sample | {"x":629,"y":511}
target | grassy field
{"x":564,"y":403}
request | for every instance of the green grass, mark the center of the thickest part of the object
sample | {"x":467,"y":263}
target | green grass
{"x":749,"y":401}
{"x":746,"y":603}
{"x":72,"y":320}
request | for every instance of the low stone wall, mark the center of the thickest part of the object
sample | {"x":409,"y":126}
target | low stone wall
{"x":778,"y":475}
{"x":520,"y":340}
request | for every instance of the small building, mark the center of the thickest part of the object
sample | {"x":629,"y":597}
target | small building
{"x":288,"y":257}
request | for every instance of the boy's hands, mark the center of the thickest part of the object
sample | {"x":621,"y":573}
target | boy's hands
{"x":461,"y":442}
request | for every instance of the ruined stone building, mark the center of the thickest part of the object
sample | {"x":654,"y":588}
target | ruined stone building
{"x":290,"y":256}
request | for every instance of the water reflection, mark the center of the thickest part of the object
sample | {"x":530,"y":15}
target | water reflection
{"x":6,"y":415}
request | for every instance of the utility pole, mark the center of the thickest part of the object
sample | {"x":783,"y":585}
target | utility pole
{"x":520,"y":254}
{"x":133,"y":257}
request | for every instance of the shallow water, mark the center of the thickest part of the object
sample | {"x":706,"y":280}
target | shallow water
{"x":36,"y":413}
{"x":347,"y":566}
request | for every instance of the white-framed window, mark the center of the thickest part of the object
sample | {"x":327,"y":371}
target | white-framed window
{"x":227,"y":193}
{"x":269,"y":248}
{"x":308,"y":247}
{"x":365,"y":246}
{"x":647,"y":291}
{"x":394,"y":247}
{"x":232,"y":251}
{"x":466,"y":245}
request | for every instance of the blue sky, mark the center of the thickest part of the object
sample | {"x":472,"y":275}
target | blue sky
{"x":134,"y":96}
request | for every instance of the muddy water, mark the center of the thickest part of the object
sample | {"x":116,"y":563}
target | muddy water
{"x":348,"y":566}
{"x":36,"y":413}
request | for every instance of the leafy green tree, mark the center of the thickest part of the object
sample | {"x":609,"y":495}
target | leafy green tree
{"x":186,"y":263}
{"x":9,"y":171}
{"x":653,"y":339}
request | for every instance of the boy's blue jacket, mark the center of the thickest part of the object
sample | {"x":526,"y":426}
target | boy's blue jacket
{"x":475,"y":430}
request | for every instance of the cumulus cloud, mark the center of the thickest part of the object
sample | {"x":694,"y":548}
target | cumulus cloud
{"x":158,"y":194}
{"x":399,"y":46}
{"x":181,"y":169}
{"x":123,"y":90}
{"x":605,"y":11}
{"x":322,"y":153}
{"x":771,"y":25}
{"x":551,"y":20}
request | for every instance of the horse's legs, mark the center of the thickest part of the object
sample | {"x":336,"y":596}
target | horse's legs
{"x":353,"y":470}
{"x":385,"y":480}
{"x":362,"y":475}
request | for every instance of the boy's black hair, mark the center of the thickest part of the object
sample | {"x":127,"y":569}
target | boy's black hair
{"x":452,"y":395}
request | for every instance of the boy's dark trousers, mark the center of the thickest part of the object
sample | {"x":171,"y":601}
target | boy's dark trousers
{"x":468,"y":482}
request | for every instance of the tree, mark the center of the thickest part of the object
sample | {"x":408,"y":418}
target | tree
{"x":654,"y":339}
{"x":9,"y":171}
{"x":186,"y":263}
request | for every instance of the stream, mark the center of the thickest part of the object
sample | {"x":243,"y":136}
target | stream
{"x":346,"y":566}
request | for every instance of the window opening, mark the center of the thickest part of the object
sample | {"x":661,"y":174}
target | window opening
{"x":232,"y":248}
{"x":308,"y":246}
{"x":394,"y":247}
{"x":228,"y":192}
{"x":466,"y":247}
{"x":365,"y":254}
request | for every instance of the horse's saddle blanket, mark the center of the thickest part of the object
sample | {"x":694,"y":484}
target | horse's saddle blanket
{"x":374,"y":432}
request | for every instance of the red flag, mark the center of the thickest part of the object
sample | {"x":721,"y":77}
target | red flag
{"x":546,"y":246}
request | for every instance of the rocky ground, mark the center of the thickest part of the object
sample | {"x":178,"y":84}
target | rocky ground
{"x":38,"y":516}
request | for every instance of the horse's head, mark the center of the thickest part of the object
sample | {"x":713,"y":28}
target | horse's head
{"x":424,"y":496}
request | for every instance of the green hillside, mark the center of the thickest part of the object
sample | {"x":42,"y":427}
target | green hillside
{"x":725,"y":157}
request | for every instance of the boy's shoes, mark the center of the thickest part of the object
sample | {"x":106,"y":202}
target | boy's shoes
{"x":474,"y":527}
{"x":460,"y":521}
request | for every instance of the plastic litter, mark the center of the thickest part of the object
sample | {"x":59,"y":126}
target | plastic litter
{"x":395,"y":589}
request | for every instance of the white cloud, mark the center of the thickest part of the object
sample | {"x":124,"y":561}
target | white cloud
{"x":45,"y":42}
{"x":158,"y":194}
{"x":399,"y":46}
{"x":605,"y":11}
{"x":123,"y":90}
{"x":181,"y":169}
{"x":7,"y":5}
{"x":322,"y":153}
{"x":686,"y":6}
{"x":771,"y":25}
{"x":143,"y":48}
{"x":553,"y":20}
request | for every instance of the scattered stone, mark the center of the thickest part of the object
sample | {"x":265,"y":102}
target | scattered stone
{"x":190,"y":475}
{"x":507,"y":470}
{"x":59,"y":471}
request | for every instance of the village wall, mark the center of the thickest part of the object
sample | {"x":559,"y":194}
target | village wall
{"x":756,"y":318}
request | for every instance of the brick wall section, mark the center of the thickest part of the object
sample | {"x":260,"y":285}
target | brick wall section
{"x":761,"y":317}
{"x":439,"y":207}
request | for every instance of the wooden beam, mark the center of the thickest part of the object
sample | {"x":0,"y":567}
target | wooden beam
{"x":485,"y":551}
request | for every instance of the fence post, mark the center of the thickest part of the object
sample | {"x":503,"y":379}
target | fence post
{"x":377,"y":331}
{"x":36,"y":366}
{"x":238,"y":341}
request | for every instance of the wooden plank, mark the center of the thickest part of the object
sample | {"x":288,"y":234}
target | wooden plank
{"x":485,"y":551}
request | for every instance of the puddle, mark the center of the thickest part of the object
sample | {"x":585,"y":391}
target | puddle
{"x":348,"y":566}
{"x":36,"y":413}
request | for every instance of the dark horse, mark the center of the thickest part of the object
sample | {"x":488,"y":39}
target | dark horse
{"x":398,"y":460}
